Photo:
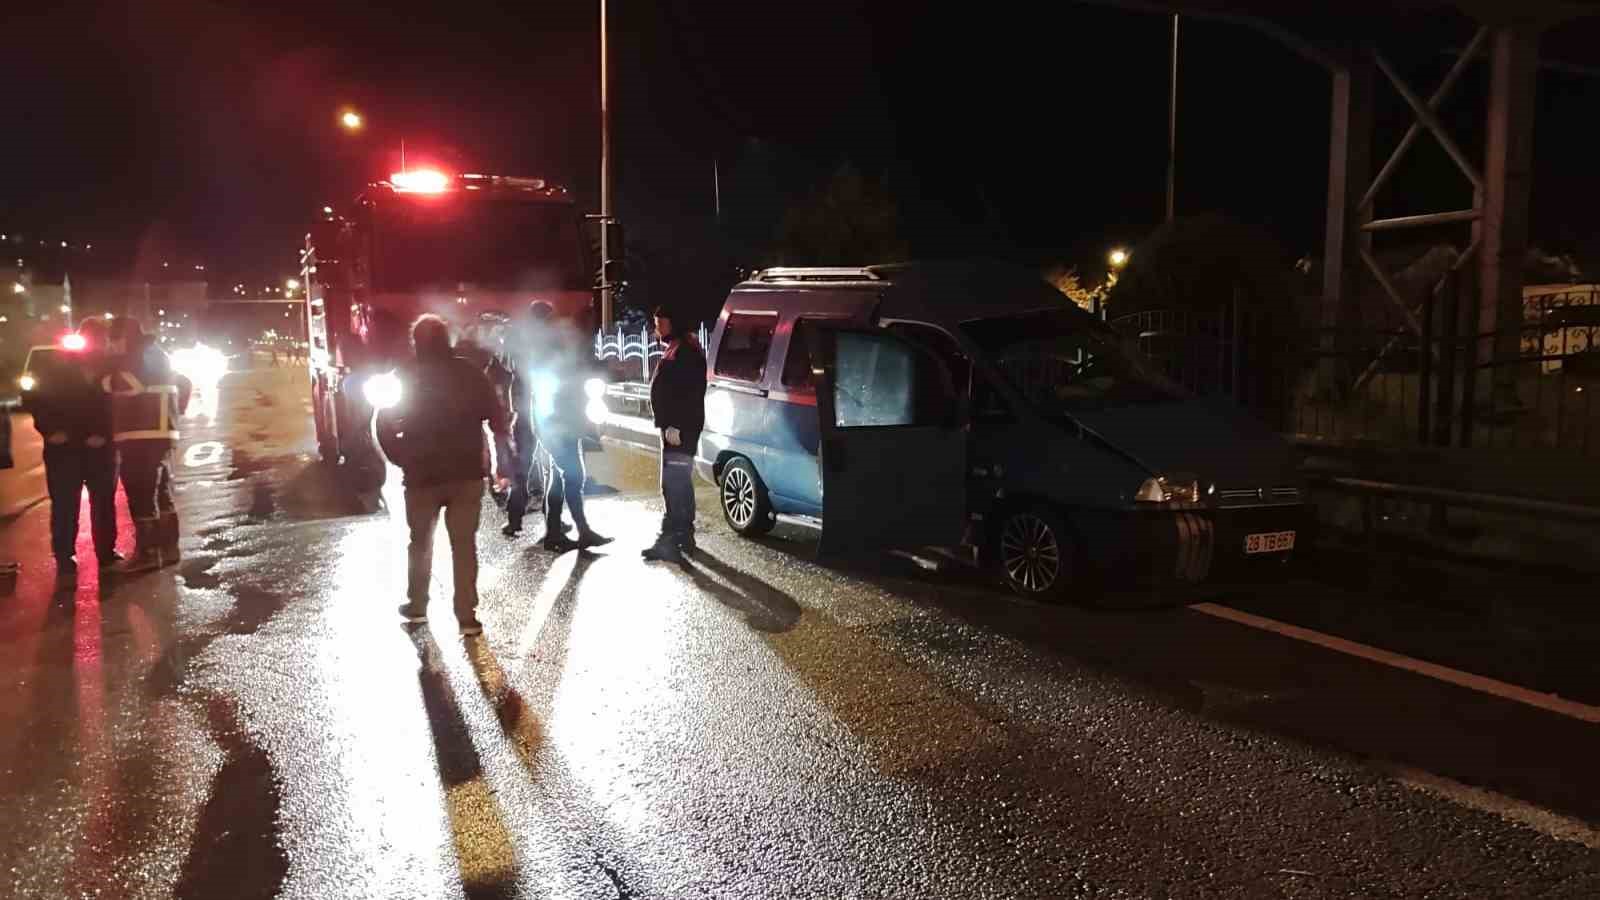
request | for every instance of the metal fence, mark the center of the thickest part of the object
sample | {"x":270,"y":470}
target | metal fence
{"x":1531,"y":386}
{"x":624,"y":347}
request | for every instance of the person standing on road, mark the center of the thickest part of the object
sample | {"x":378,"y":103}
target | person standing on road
{"x":147,"y":397}
{"x":558,"y":406}
{"x":529,"y":350}
{"x":73,"y":415}
{"x":677,"y":397}
{"x":435,"y":435}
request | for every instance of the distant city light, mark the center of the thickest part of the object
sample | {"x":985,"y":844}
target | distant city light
{"x":161,"y":312}
{"x":17,"y":288}
{"x":65,"y":308}
{"x":4,"y":319}
{"x":163,"y":265}
{"x":292,"y":284}
{"x":63,"y":243}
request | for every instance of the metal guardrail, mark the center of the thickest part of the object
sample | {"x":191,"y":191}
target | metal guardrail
{"x":1572,"y":512}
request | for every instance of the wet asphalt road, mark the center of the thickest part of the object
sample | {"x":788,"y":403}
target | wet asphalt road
{"x":256,"y":723}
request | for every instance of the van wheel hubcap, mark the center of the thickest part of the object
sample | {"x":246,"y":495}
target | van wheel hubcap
{"x":1030,"y":552}
{"x":739,"y":497}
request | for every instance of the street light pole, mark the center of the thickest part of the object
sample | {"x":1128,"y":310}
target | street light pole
{"x":1172,"y":127}
{"x":605,"y":173}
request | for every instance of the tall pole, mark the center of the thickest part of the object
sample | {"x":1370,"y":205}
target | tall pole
{"x":605,"y":174}
{"x":1172,"y":127}
{"x":716,"y":187}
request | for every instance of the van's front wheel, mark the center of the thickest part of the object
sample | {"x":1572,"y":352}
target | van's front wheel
{"x":744,"y":500}
{"x":1033,"y":553}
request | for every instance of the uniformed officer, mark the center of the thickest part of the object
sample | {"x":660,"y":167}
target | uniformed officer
{"x":73,"y":415}
{"x":677,"y":397}
{"x":147,"y":397}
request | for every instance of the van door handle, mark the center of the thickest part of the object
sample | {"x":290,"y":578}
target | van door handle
{"x":740,"y":388}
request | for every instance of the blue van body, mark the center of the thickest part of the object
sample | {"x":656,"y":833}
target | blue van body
{"x":1142,"y":478}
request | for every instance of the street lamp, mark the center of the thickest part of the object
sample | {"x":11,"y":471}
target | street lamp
{"x":292,"y":284}
{"x":351,"y":120}
{"x":1118,"y":257}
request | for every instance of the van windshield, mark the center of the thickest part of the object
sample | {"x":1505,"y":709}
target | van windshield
{"x":1061,"y":363}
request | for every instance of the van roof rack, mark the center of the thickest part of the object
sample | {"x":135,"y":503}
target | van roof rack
{"x":815,"y":273}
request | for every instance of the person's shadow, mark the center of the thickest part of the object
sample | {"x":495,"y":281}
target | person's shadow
{"x":517,"y":720}
{"x":484,"y":850}
{"x":764,"y":607}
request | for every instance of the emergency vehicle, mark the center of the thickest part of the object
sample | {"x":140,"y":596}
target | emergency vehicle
{"x":471,"y":248}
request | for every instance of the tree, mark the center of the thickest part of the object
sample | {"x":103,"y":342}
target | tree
{"x":851,"y":220}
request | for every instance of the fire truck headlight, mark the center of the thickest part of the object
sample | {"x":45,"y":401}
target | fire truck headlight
{"x":200,"y":364}
{"x":595,"y":389}
{"x":382,"y":390}
{"x":596,"y":411}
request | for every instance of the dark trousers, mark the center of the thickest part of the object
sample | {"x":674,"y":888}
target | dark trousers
{"x":677,"y":491}
{"x":147,"y":478}
{"x":67,"y":471}
{"x":567,"y":477}
{"x":525,"y":474}
{"x":462,"y":505}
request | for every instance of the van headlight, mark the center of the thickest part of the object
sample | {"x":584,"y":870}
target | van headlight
{"x":595,"y":389}
{"x":382,"y":390}
{"x":1161,"y":490}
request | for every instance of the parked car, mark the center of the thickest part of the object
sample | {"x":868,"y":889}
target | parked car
{"x":969,"y":405}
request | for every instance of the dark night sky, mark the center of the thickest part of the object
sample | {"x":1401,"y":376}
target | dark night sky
{"x":208,"y":130}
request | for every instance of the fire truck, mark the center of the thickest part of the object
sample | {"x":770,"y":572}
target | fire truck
{"x":471,"y":248}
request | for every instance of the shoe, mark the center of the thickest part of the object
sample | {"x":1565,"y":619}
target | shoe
{"x":111,"y":561}
{"x":558,"y":543}
{"x":167,"y":539}
{"x":412,"y":615}
{"x":687,"y":545}
{"x":146,"y":555}
{"x":471,"y":627}
{"x":591,"y":539}
{"x":146,"y":560}
{"x":662,"y":553}
{"x":511,"y":530}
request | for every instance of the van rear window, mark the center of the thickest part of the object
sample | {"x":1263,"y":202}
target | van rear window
{"x":742,"y":355}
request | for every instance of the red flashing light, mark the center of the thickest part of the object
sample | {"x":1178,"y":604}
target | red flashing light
{"x":420,"y":181}
{"x":73,"y":342}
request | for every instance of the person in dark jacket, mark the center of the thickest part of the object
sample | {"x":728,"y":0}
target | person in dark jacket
{"x":558,"y":409}
{"x":73,"y":415}
{"x":435,"y":435}
{"x":677,"y":395}
{"x":147,"y":397}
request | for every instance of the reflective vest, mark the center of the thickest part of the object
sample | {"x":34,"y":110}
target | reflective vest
{"x":140,"y":411}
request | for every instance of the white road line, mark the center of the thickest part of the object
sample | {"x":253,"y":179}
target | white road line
{"x":1512,"y":810}
{"x":1548,"y":702}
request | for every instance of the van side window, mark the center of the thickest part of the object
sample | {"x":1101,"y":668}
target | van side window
{"x":742,"y":355}
{"x":941,"y":345}
{"x":880,"y":381}
{"x":797,"y":362}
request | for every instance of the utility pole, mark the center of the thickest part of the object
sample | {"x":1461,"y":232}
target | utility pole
{"x":1172,"y":127}
{"x":606,"y":214}
{"x":716,"y":187}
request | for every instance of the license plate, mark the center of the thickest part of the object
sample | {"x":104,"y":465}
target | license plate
{"x":1269,"y":542}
